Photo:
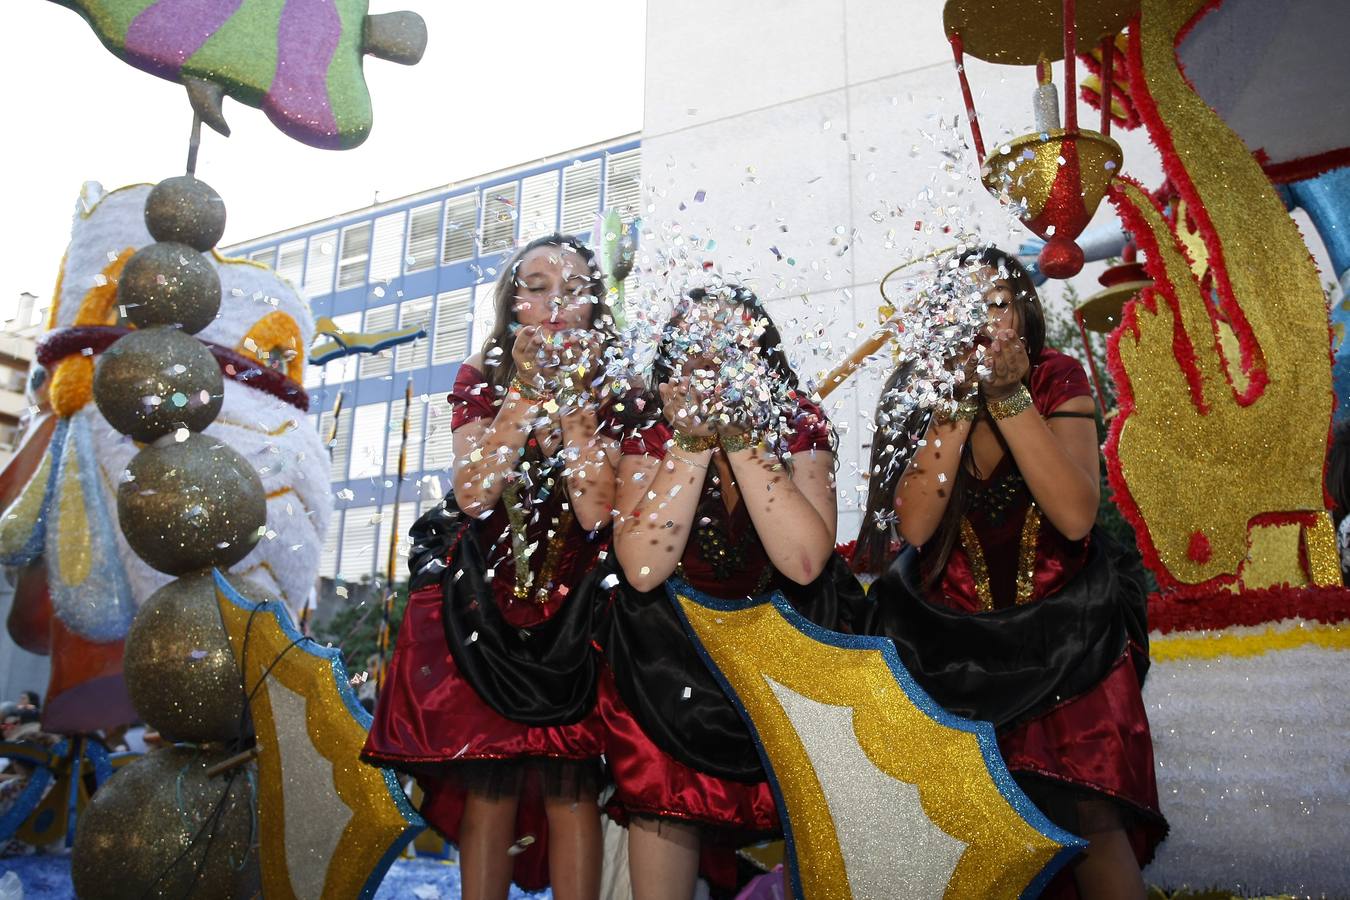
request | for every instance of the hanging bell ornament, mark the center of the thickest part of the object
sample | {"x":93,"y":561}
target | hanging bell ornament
{"x":1055,"y":178}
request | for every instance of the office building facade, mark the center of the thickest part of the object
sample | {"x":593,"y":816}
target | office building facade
{"x":429,"y":261}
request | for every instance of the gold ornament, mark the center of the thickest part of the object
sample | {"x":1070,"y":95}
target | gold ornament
{"x":735,"y":443}
{"x":186,"y":505}
{"x":1018,"y":402}
{"x":1101,"y":311}
{"x":527,"y":586}
{"x":187,"y":211}
{"x":153,"y":382}
{"x":169,"y":284}
{"x":695,"y":443}
{"x":179,"y":668}
{"x":163,"y":829}
{"x":966,"y":409}
{"x":1200,"y":457}
{"x":1023,"y":32}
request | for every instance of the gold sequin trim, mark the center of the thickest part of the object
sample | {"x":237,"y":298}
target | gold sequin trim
{"x":1026,"y":560}
{"x":970,"y":541}
{"x":525,"y":579}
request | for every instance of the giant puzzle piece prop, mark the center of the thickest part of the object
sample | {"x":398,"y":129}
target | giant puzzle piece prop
{"x":299,"y":61}
{"x":330,"y":825}
{"x":63,"y":519}
{"x":884,"y":793}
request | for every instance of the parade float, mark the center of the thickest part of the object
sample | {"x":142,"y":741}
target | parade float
{"x":1221,"y":357}
{"x":167,"y":508}
{"x":1220,"y":354}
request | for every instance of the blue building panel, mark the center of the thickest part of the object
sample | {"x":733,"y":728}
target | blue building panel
{"x":355,"y":269}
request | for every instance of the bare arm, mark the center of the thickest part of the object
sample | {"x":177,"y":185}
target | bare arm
{"x":1059,"y":461}
{"x":590,"y":468}
{"x":657,"y":501}
{"x":486,"y":451}
{"x":793,"y":510}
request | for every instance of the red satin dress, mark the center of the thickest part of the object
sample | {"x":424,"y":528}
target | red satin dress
{"x":648,"y":781}
{"x":431,"y":722}
{"x":1097,"y":744}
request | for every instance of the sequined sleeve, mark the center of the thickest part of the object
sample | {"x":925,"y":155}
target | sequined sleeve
{"x":471,"y":398}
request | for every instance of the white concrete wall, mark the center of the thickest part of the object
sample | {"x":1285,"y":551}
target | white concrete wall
{"x":804,"y":124}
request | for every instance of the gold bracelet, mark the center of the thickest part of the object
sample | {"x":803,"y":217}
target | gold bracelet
{"x":1019,"y":402}
{"x":671,"y":454}
{"x":694,"y":443}
{"x":734,"y":443}
{"x":966,"y":411}
{"x":529,"y":391}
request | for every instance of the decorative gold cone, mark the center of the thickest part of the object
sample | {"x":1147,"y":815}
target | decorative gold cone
{"x":1024,"y":171}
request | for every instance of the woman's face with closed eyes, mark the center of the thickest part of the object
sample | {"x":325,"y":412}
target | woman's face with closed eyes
{"x":554,"y":290}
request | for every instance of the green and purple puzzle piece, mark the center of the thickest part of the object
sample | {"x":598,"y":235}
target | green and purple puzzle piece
{"x":299,"y":61}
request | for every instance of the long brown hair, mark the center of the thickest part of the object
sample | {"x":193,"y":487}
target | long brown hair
{"x":1031,"y":319}
{"x":899,"y":425}
{"x":499,"y":367}
{"x":881,"y":493}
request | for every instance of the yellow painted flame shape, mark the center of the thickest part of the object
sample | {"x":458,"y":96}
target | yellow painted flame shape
{"x":1214,"y":442}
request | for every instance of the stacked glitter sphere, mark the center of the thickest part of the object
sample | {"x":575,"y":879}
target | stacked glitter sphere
{"x":173,"y":824}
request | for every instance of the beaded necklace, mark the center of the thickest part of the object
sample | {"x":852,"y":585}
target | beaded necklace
{"x":521,"y":549}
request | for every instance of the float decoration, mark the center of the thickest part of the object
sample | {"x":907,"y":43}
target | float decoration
{"x":256,"y":345}
{"x":862,"y":762}
{"x":300,"y":63}
{"x":184,"y":502}
{"x":1193,"y":412}
{"x":1101,"y":312}
{"x":329,"y":825}
{"x":166,"y":826}
{"x":1216,"y":458}
{"x":343,"y":343}
{"x":58,"y":790}
{"x":1054,"y":178}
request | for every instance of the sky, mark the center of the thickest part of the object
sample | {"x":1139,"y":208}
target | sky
{"x":488,"y":94}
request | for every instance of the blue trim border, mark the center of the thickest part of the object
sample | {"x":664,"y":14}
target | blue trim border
{"x":342,"y":684}
{"x":983,"y":731}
